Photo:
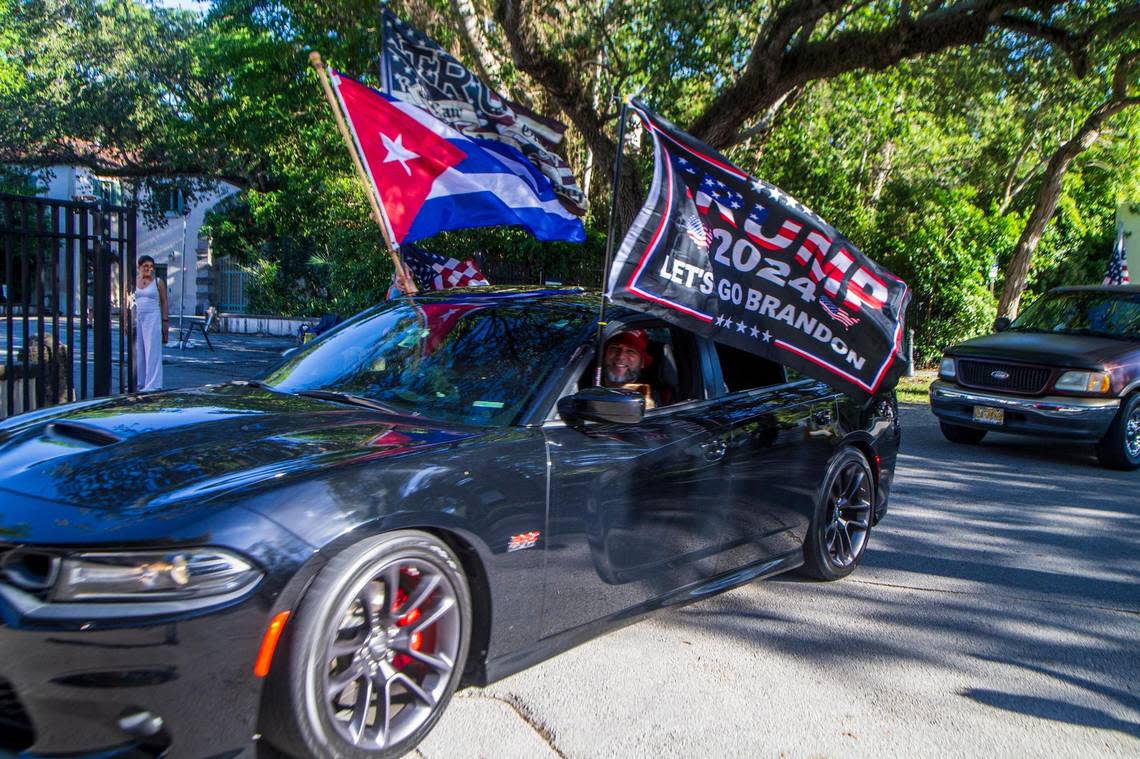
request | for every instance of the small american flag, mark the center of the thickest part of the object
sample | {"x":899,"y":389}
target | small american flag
{"x":837,"y":313}
{"x":437,"y":272}
{"x":1117,"y":273}
{"x":698,"y":232}
{"x":696,"y":229}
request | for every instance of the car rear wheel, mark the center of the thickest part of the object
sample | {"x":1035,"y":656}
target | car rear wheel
{"x":375,"y":651}
{"x":1120,"y":447}
{"x":956,"y":433}
{"x":842,"y":523}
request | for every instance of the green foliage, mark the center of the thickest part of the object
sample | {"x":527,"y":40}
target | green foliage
{"x":930,"y":166}
{"x":943,"y":245}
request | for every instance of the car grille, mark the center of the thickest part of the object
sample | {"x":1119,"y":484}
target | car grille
{"x":1016,"y":379}
{"x":16,"y":732}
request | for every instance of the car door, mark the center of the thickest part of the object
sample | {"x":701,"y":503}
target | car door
{"x":636,"y":510}
{"x":782,"y":435}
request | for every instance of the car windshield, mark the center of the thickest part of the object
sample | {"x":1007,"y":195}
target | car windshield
{"x":1084,"y":312}
{"x":461,"y":361}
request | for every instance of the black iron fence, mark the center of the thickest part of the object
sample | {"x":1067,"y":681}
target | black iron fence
{"x":65,"y":280}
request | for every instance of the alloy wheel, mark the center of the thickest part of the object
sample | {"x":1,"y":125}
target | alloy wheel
{"x":1132,"y":434}
{"x":848,"y":515}
{"x":392,"y":655}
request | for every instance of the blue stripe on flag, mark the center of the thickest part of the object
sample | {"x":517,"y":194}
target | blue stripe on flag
{"x":486,"y":209}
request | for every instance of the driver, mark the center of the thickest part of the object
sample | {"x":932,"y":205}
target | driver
{"x":625,"y":356}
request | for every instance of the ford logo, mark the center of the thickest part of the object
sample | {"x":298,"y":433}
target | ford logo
{"x":999,"y":375}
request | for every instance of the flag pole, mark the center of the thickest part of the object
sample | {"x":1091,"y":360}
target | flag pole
{"x":614,"y":186}
{"x":378,"y":215}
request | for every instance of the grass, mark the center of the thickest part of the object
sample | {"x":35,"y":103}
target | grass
{"x":915,"y":389}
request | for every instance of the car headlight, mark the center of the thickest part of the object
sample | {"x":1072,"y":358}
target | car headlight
{"x":947,"y":369}
{"x":153,"y":575}
{"x":1084,"y":382}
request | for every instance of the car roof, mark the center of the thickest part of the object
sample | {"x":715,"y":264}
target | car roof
{"x":586,"y":299}
{"x":1097,"y":289}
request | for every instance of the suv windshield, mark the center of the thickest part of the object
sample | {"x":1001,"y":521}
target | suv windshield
{"x":1084,"y":312}
{"x":461,"y":361}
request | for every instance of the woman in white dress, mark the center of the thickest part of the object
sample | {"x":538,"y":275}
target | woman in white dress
{"x":152,"y":326}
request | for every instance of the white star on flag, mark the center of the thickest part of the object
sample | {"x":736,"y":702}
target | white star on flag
{"x":740,"y":327}
{"x":397,"y":151}
{"x":767,"y":336}
{"x":755,"y":332}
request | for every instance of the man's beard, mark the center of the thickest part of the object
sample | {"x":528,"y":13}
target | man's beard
{"x":616,"y":376}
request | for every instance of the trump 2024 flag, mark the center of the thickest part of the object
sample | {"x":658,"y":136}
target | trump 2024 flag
{"x":736,"y":259}
{"x":431,"y":179}
{"x":415,"y":69}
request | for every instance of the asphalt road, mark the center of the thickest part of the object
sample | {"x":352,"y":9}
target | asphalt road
{"x":997,"y":613}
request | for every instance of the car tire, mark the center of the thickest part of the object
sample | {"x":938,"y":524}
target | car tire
{"x":374,"y":651}
{"x":841,"y":526}
{"x":1120,"y":446}
{"x":956,"y":433}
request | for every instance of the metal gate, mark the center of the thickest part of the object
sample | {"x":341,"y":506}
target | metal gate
{"x":65,"y":281}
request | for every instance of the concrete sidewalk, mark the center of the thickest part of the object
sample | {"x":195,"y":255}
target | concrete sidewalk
{"x":233,"y":357}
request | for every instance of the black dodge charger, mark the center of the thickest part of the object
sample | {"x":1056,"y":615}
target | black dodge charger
{"x":431,"y":495}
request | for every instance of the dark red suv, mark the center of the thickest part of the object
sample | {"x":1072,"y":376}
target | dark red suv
{"x":1068,"y":367}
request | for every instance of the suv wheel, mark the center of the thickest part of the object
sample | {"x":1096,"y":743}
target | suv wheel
{"x":1120,"y":446}
{"x":375,"y":651}
{"x":956,"y":433}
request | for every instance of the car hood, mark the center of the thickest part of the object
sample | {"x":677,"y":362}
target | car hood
{"x":160,"y":449}
{"x":1076,"y":351}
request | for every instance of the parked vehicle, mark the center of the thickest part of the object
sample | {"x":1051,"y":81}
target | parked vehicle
{"x":1068,"y":367}
{"x":430,"y":495}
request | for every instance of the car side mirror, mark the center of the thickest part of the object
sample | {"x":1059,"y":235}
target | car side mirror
{"x":602,"y":404}
{"x":1001,"y":324}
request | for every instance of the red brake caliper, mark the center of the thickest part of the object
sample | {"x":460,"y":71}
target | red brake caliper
{"x":399,"y":661}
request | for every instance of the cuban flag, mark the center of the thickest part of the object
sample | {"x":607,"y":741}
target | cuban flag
{"x":430,"y":178}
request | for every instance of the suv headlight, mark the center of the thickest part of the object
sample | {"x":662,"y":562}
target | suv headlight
{"x":948,"y":369}
{"x":1084,"y":382}
{"x":153,"y":575}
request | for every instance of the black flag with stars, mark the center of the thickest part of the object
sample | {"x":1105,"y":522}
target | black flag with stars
{"x":734,"y":258}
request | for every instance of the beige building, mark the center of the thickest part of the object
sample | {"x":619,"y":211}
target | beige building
{"x":181,"y":253}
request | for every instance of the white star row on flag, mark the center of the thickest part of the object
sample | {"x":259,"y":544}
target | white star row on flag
{"x":744,"y":329}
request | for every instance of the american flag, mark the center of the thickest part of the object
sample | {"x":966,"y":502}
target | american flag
{"x":437,"y":272}
{"x":698,"y":232}
{"x":1117,"y":273}
{"x":837,"y":313}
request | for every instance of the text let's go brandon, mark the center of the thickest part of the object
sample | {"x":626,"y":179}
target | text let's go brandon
{"x":734,"y":258}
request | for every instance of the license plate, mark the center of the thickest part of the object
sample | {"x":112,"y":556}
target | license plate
{"x":987,"y":415}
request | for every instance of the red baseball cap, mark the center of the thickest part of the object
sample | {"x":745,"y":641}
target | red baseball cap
{"x":637,"y":339}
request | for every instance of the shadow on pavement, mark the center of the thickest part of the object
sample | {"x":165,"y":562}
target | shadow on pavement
{"x":1000,"y":568}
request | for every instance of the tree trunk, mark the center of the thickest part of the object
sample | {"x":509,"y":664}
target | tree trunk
{"x":471,"y":29}
{"x":882,"y":172}
{"x":1017,"y":272}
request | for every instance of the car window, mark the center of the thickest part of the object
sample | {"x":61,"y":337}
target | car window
{"x":674,"y":371}
{"x":1083,"y":312}
{"x":747,"y":371}
{"x":465,"y":361}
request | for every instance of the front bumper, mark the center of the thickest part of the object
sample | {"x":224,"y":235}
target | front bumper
{"x":1080,"y":419}
{"x":77,"y":683}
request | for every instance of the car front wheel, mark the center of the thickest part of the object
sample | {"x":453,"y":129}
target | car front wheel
{"x":375,"y":651}
{"x":1120,"y":447}
{"x":956,"y":433}
{"x":839,"y":531}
